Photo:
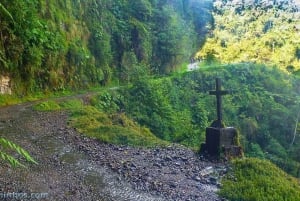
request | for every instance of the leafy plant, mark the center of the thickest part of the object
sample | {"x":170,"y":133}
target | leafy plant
{"x":7,"y":145}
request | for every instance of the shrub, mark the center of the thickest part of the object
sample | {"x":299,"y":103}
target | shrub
{"x":253,"y":179}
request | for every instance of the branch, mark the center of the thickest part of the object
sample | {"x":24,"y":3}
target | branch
{"x":295,"y":130}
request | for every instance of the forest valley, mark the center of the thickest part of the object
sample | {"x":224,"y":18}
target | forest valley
{"x":138,"y":52}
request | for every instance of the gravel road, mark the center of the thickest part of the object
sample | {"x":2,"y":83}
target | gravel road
{"x":73,"y":167}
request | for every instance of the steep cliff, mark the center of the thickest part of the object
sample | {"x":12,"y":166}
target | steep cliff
{"x":53,"y":45}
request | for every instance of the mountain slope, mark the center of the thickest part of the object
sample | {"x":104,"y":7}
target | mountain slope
{"x":264,"y":32}
{"x":53,"y":45}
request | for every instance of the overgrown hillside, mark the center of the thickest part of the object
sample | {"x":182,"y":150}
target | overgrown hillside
{"x":264,"y":107}
{"x":265,"y":32}
{"x":53,"y":45}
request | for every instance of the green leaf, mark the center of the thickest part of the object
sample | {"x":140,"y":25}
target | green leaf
{"x":8,"y":144}
{"x":14,"y":162}
{"x":6,"y":12}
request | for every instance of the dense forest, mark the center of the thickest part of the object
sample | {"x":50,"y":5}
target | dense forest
{"x":264,"y":32}
{"x":53,"y":45}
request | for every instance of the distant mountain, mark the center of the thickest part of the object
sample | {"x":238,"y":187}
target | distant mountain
{"x":259,"y":31}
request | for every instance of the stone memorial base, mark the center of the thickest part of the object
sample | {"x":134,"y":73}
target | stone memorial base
{"x":221,"y":141}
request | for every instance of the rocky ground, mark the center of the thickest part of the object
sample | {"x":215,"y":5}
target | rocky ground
{"x":74,"y":167}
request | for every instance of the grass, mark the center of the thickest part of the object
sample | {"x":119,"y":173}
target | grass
{"x":114,"y":128}
{"x":71,"y":104}
{"x":9,"y":100}
{"x":50,"y":105}
{"x":253,"y":179}
{"x":6,"y":99}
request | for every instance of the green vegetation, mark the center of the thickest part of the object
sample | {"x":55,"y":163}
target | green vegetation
{"x":264,"y":108}
{"x":8,"y":146}
{"x":115,"y":129}
{"x":47,"y":106}
{"x":254,"y":33}
{"x":59,"y":46}
{"x":157,"y":111}
{"x":255,"y":180}
{"x":170,"y":112}
{"x":102,"y":120}
{"x":54,"y":46}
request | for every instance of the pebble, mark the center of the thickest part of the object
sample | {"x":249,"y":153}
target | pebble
{"x":172,"y":173}
{"x":196,"y":178}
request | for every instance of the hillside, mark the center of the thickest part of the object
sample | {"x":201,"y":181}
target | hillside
{"x":265,"y":32}
{"x":57,"y":45}
{"x":177,"y":109}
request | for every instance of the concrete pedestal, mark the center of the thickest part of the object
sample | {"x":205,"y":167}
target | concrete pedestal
{"x":220,"y":140}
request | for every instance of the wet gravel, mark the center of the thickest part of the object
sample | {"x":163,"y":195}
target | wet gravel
{"x":74,"y":167}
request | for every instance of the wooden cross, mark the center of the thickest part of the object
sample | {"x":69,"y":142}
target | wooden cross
{"x":219,"y":93}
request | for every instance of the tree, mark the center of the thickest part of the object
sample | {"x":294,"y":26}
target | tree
{"x":5,"y":144}
{"x":141,"y":9}
{"x":297,"y":53}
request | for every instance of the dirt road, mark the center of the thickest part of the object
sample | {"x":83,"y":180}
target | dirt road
{"x":73,"y":167}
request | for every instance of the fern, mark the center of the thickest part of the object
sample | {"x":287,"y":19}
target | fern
{"x":6,"y":12}
{"x":13,"y":161}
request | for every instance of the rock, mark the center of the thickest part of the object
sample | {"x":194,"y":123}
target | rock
{"x":168,"y":158}
{"x":207,"y":171}
{"x":213,"y":180}
{"x":173,"y":184}
{"x":156,"y":165}
{"x":196,"y":178}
